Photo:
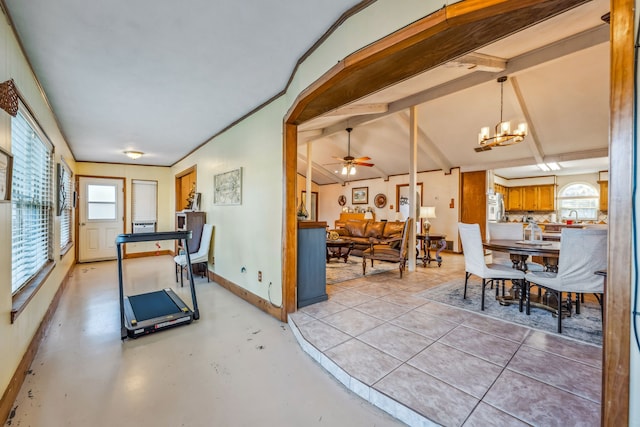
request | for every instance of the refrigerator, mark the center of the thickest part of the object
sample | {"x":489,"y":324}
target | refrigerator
{"x":495,"y":208}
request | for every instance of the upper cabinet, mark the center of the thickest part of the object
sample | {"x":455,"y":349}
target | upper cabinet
{"x":515,"y":199}
{"x":531,"y":198}
{"x":604,"y":195}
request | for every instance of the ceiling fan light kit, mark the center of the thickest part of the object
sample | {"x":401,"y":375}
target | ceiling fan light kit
{"x":349,"y":162}
{"x":503,"y":136}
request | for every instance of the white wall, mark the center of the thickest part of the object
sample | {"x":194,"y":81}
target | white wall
{"x":438,"y":190}
{"x":16,"y":337}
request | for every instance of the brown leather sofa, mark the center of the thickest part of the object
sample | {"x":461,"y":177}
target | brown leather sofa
{"x":360,"y":231}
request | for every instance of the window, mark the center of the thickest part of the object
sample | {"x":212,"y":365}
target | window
{"x":143,"y":200}
{"x":64,"y":192}
{"x":579,"y":197}
{"x":31,"y":206}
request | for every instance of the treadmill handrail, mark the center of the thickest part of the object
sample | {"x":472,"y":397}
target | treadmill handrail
{"x":147,"y":237}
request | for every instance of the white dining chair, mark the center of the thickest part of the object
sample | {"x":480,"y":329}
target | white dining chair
{"x":583,"y":252}
{"x":508,"y":231}
{"x":200,"y":257}
{"x":474,"y":262}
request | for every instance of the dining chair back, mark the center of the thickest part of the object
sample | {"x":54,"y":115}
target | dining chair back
{"x":583,"y":252}
{"x":199,"y":257}
{"x":474,"y":261}
{"x":508,"y":231}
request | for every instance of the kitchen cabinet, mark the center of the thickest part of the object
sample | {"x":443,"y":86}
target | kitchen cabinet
{"x":545,"y":198}
{"x":532,"y":198}
{"x":515,"y":199}
{"x":604,"y":195}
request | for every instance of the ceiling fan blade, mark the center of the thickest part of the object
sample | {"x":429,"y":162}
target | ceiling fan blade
{"x":363,"y":164}
{"x":362,"y":159}
{"x":339,"y":158}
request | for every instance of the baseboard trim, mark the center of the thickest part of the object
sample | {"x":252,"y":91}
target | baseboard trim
{"x":13,"y":388}
{"x":251,"y":298}
{"x":146,"y":254}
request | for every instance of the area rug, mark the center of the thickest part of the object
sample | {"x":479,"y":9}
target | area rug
{"x":339,"y":271}
{"x":586,"y":326}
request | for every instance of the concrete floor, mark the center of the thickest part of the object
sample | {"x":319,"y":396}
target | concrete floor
{"x":236,"y":366}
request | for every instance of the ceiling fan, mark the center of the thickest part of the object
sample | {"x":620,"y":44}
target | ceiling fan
{"x":349,"y":162}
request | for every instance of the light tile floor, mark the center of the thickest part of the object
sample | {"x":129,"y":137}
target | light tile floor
{"x":427,"y":363}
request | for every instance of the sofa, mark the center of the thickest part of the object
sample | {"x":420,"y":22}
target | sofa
{"x":360,"y":231}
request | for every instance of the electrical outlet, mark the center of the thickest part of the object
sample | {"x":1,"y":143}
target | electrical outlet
{"x":259,"y":276}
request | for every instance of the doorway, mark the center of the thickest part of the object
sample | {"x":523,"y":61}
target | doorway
{"x":185,"y":184}
{"x":101,"y":217}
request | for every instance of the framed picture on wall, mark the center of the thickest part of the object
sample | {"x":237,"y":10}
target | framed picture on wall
{"x":227,"y":188}
{"x":6,"y":170}
{"x":314,"y":204}
{"x":360,"y":195}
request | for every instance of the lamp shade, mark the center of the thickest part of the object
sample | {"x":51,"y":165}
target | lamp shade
{"x":368,"y":215}
{"x":427,"y":211}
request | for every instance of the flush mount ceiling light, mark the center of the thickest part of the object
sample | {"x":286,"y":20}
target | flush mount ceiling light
{"x":503,"y":135}
{"x":134,"y":154}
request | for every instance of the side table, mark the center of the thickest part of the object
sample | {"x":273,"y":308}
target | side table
{"x":426,"y":240}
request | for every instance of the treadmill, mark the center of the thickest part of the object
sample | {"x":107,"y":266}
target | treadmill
{"x":158,"y":310}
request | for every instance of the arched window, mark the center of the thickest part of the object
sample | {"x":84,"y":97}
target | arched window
{"x":579,"y":197}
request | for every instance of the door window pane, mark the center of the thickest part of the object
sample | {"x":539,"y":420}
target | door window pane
{"x":101,"y":202}
{"x":101,"y":193}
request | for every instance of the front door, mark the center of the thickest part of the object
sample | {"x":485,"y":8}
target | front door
{"x":101,"y":218}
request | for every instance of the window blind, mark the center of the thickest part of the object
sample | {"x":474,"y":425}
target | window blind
{"x":144,"y":204}
{"x":31,"y":204}
{"x":66,"y":213}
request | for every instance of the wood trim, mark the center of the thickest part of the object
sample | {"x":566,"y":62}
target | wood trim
{"x":617,"y":319}
{"x":22,"y":370}
{"x":147,"y":254}
{"x":418,"y":47}
{"x":178,"y":183}
{"x":251,"y":298}
{"x":290,"y":223}
{"x":29,"y":290}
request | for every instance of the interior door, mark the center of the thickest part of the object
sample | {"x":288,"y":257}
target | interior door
{"x":101,"y":218}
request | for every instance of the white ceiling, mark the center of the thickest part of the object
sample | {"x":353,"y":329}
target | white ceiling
{"x":163,"y":77}
{"x":146,"y":76}
{"x":561,"y":68}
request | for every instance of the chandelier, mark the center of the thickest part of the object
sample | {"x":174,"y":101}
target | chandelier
{"x":503,"y":135}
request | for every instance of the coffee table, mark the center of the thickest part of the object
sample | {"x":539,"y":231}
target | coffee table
{"x":339,"y":248}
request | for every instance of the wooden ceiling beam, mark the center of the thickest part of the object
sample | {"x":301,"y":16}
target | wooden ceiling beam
{"x":575,"y":43}
{"x":425,"y":44}
{"x":534,"y":144}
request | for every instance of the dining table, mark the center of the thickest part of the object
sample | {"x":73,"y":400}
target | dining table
{"x":519,"y":252}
